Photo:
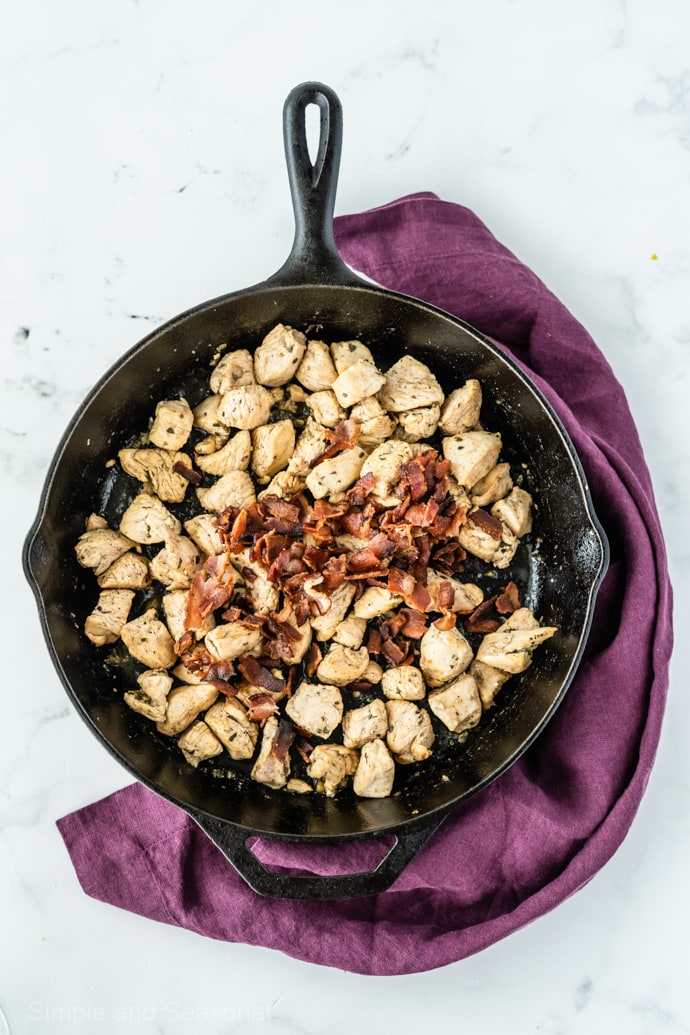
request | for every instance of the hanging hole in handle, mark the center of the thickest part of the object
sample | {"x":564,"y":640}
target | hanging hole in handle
{"x":312,"y":130}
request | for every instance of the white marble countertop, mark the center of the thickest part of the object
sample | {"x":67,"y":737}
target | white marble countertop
{"x":143,"y":172}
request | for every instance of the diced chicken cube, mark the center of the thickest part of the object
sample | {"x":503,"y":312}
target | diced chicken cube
{"x":493,"y":486}
{"x":198,"y":743}
{"x":331,"y":765}
{"x":361,"y":725}
{"x":233,"y":456}
{"x":458,"y":704}
{"x":316,"y":708}
{"x":350,"y":632}
{"x":410,"y":733}
{"x":246,"y":407}
{"x":95,"y":521}
{"x":373,"y":673}
{"x":409,"y":384}
{"x":278,"y":356}
{"x":375,"y":771}
{"x":147,"y":639}
{"x":310,"y":444}
{"x":418,"y":424}
{"x":98,"y":548}
{"x":106,"y":621}
{"x":185,"y":704}
{"x":233,"y":370}
{"x":297,"y":786}
{"x":264,"y":593}
{"x":228,"y":720}
{"x":489,"y":681}
{"x":325,"y":408}
{"x":481,"y":543}
{"x":285,"y":484}
{"x":385,"y":463}
{"x":375,"y":425}
{"x":146,"y":520}
{"x":203,"y":530}
{"x":177,"y":563}
{"x":272,"y":447}
{"x":271,"y":767}
{"x":460,"y":411}
{"x":404,"y":682}
{"x":324,"y":626}
{"x":316,"y":371}
{"x":472,"y":455}
{"x":172,"y":424}
{"x":337,"y":473}
{"x":230,"y":640}
{"x":343,"y":665}
{"x":356,"y":382}
{"x":175,"y":609}
{"x":207,"y":417}
{"x":151,"y":697}
{"x":234,"y":489}
{"x":154,"y":468}
{"x":466,"y":595}
{"x":515,"y":511}
{"x":346,"y":353}
{"x":510,"y":647}
{"x":130,"y":571}
{"x":444,"y":654}
{"x":375,"y":601}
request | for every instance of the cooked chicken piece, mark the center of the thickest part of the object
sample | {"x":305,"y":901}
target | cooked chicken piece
{"x":204,"y":531}
{"x":98,"y":548}
{"x":385,"y":463}
{"x":95,"y":521}
{"x":154,"y":468}
{"x":373,"y":673}
{"x":316,"y":371}
{"x":346,"y":353}
{"x":375,"y":425}
{"x":410,"y":733}
{"x":299,"y":647}
{"x":310,"y":444}
{"x":348,"y":543}
{"x":375,"y":601}
{"x":515,"y":511}
{"x":482,"y":544}
{"x":285,"y":484}
{"x":350,"y":632}
{"x":151,"y":699}
{"x":375,"y":772}
{"x":234,"y":489}
{"x":295,"y":786}
{"x":130,"y":571}
{"x":458,"y":704}
{"x":106,"y":621}
{"x":330,"y":765}
{"x":410,"y":384}
{"x":361,"y":725}
{"x":510,"y":647}
{"x":459,"y":495}
{"x":175,"y":608}
{"x":230,"y":640}
{"x":207,"y":417}
{"x":316,"y":708}
{"x":172,"y":424}
{"x":493,"y":486}
{"x":185,"y":704}
{"x":418,"y":424}
{"x":234,"y":370}
{"x":199,"y":742}
{"x":325,"y":408}
{"x":278,"y":356}
{"x":460,"y":411}
{"x":323,"y":626}
{"x":472,"y":455}
{"x":404,"y":682}
{"x":337,"y":473}
{"x":228,"y":720}
{"x":147,"y":639}
{"x":183,"y":675}
{"x":268,"y":768}
{"x":210,"y":444}
{"x":264,"y":593}
{"x":342,"y":665}
{"x":444,"y":654}
{"x":178,"y":562}
{"x":489,"y":681}
{"x":147,"y":520}
{"x":233,"y":456}
{"x":272,"y":447}
{"x":357,"y":382}
{"x":466,"y":596}
{"x":246,"y":407}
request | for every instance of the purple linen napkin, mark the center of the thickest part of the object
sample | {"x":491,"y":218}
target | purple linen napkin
{"x":536,"y":835}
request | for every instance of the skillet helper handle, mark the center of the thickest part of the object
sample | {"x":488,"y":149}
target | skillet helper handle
{"x":314,"y":257}
{"x":232,"y":842}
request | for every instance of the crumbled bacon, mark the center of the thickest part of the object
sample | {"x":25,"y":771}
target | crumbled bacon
{"x":261,"y":707}
{"x":257,"y":675}
{"x":488,"y":523}
{"x":313,"y":658}
{"x":343,"y":436}
{"x":361,"y":489}
{"x":283,"y":740}
{"x":304,"y":748}
{"x":508,"y":601}
{"x":192,"y":476}
{"x":219,"y":670}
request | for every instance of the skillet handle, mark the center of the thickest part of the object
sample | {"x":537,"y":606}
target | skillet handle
{"x":232,"y":841}
{"x":314,"y":257}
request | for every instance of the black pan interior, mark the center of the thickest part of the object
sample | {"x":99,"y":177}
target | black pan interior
{"x":557,"y":569}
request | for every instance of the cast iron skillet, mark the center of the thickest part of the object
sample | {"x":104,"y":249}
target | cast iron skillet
{"x":559,"y":569}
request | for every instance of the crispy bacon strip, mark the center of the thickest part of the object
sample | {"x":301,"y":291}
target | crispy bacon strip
{"x":257,"y":675}
{"x":509,"y":600}
{"x":361,"y":489}
{"x":192,"y":476}
{"x":284,"y":739}
{"x":261,"y":707}
{"x":313,"y":658}
{"x":488,"y":523}
{"x":344,"y":436}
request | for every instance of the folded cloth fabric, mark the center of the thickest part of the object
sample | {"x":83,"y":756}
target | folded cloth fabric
{"x":536,"y":835}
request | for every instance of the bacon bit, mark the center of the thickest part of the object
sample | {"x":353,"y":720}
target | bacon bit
{"x":374,"y":641}
{"x":185,"y":642}
{"x":216,"y":564}
{"x":280,"y":508}
{"x":414,"y":625}
{"x":449,"y":558}
{"x":412,"y":590}
{"x":509,"y":600}
{"x":423,"y":514}
{"x":446,"y":621}
{"x":360,"y":490}
{"x":234,"y":614}
{"x":257,"y":675}
{"x":480,"y":620}
{"x":344,"y":436}
{"x":393,"y":652}
{"x":283,"y":740}
{"x":321,"y":599}
{"x":193,"y":477}
{"x":487,"y":522}
{"x":303,"y":748}
{"x":197,"y":661}
{"x":219,"y":670}
{"x":224,"y":688}
{"x":412,"y":477}
{"x":248,"y":574}
{"x":371,"y":555}
{"x":261,"y":707}
{"x":362,"y":686}
{"x":446,"y":596}
{"x":334,"y":572}
{"x":313,"y":658}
